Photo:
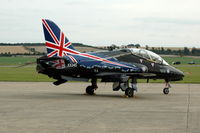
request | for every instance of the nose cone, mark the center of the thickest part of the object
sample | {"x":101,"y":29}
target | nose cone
{"x":178,"y":74}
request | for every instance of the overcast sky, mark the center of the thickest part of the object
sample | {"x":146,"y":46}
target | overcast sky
{"x":165,"y":23}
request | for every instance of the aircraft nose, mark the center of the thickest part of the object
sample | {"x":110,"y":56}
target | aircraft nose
{"x":182,"y":74}
{"x":174,"y":73}
{"x":179,"y":74}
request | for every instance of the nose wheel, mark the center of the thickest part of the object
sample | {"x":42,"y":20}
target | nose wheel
{"x":167,"y":86}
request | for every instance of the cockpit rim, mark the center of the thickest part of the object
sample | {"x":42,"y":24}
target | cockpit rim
{"x":151,"y":56}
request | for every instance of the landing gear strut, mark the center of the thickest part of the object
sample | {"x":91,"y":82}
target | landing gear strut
{"x":90,"y":89}
{"x":130,"y":90}
{"x":124,"y":86}
{"x":167,"y":86}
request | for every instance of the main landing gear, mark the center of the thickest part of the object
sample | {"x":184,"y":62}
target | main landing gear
{"x":124,"y":86}
{"x":90,"y":89}
{"x":129,"y":92}
{"x":167,"y":86}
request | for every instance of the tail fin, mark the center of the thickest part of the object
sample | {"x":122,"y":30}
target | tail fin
{"x":56,"y":42}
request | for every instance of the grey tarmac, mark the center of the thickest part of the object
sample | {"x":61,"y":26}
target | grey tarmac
{"x":30,"y":107}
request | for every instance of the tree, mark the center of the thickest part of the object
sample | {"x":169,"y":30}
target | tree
{"x":113,"y":46}
{"x":146,"y":47}
{"x":162,"y":49}
{"x":137,"y":45}
{"x":180,"y":52}
{"x":186,"y":51}
{"x":131,"y":45}
{"x":153,"y":49}
{"x":194,"y":51}
{"x":169,"y":51}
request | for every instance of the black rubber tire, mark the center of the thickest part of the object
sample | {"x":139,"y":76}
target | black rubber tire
{"x":129,"y":92}
{"x":90,"y":90}
{"x":166,"y":91}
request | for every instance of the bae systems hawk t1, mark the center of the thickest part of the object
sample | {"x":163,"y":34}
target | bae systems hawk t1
{"x":122,"y":67}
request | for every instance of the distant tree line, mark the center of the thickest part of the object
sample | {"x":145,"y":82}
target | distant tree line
{"x":182,"y":52}
{"x":134,"y":45}
{"x":161,"y":50}
{"x":113,"y":46}
{"x":8,"y":54}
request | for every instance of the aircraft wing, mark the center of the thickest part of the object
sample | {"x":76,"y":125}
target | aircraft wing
{"x":127,"y":74}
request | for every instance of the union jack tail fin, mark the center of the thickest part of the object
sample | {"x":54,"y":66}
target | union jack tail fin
{"x":56,"y":42}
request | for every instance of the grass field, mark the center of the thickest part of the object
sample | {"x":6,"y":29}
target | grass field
{"x":22,"y":74}
{"x":183,"y":60}
{"x":15,"y":60}
{"x":10,"y":73}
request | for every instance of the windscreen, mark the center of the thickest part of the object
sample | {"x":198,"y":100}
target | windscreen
{"x":148,"y":55}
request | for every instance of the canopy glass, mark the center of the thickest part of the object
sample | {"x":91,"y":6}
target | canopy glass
{"x":148,"y":55}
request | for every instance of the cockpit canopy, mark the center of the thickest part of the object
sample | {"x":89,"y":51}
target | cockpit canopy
{"x":148,"y":55}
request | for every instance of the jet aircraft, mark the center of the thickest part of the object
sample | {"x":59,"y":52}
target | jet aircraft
{"x":122,"y":67}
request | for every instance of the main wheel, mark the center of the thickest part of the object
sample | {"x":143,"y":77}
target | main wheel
{"x":166,"y":91}
{"x":90,"y":90}
{"x":129,"y":92}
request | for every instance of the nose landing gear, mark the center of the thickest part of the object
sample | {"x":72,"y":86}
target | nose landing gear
{"x":167,"y":86}
{"x":166,"y":91}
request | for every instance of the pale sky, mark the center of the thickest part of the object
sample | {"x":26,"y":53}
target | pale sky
{"x":167,"y":23}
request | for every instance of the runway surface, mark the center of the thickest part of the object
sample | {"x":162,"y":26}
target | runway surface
{"x":41,"y":107}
